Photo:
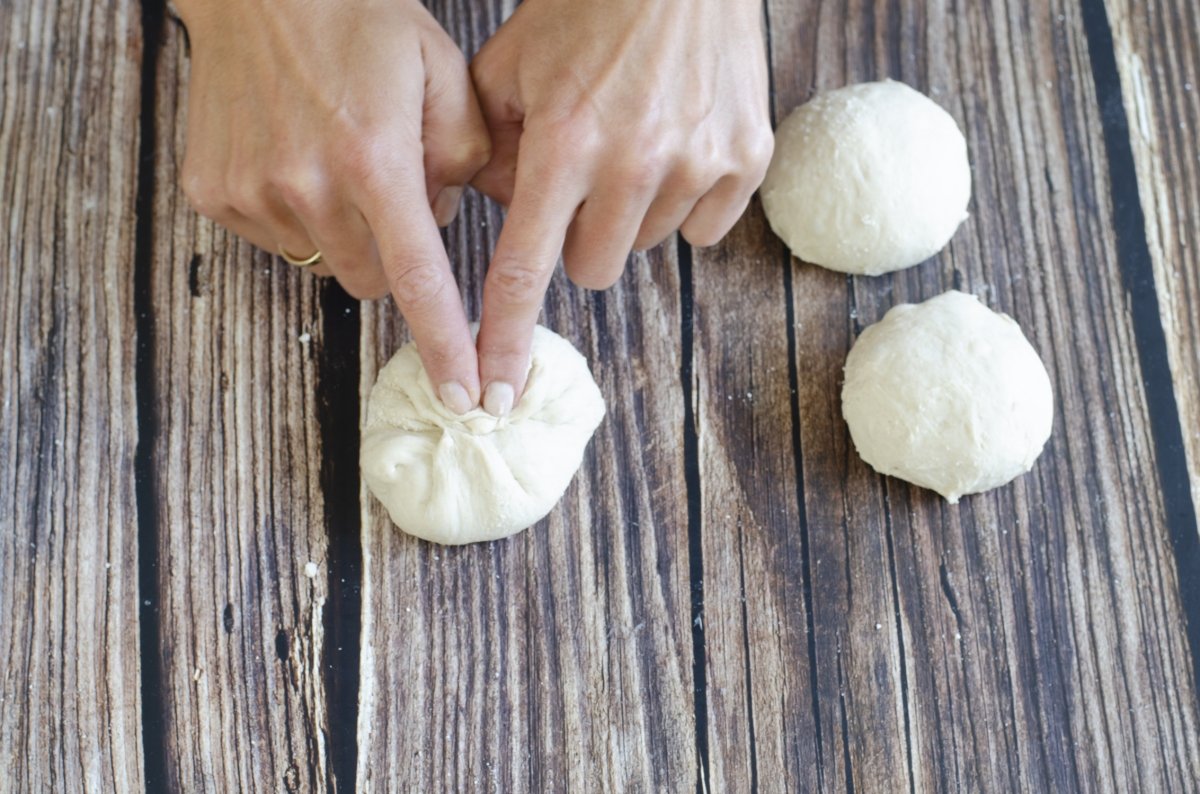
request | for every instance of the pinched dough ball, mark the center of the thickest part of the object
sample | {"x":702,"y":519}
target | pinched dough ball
{"x":949,"y":395}
{"x":460,"y":479}
{"x":868,"y":179}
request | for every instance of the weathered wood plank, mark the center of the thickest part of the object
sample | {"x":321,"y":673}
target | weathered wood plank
{"x":70,"y":716}
{"x":760,"y":684}
{"x":237,"y":340}
{"x":560,"y":658}
{"x":1028,"y":639}
{"x":1158,"y":56}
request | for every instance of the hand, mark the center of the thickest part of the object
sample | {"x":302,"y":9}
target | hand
{"x":348,"y":128}
{"x":613,"y":124}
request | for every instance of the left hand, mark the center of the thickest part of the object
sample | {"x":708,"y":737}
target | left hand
{"x":612,"y":124}
{"x":345,"y":127}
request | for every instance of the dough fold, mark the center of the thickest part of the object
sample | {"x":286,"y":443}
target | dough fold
{"x":461,"y":479}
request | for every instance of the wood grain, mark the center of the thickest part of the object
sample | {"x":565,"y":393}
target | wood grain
{"x":761,"y":700}
{"x":1157,"y":47}
{"x":560,"y":658}
{"x":237,"y":338}
{"x":727,"y":598}
{"x":69,"y":675}
{"x":1014,"y":642}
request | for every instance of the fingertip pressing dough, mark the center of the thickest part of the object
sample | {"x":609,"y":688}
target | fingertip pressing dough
{"x":949,"y":395}
{"x":867,"y":179}
{"x":454,"y":479}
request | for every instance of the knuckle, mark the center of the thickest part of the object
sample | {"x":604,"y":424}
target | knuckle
{"x":477,"y":153}
{"x":300,"y":190}
{"x":203,"y":193}
{"x":658,"y":148}
{"x":650,"y":152}
{"x":515,"y":282}
{"x":644,"y":171}
{"x":441,"y":357}
{"x":755,"y":150}
{"x":636,"y":179}
{"x":419,"y":286}
{"x":694,"y":180}
{"x":713,"y":157}
{"x":459,"y":165}
{"x":246,"y":196}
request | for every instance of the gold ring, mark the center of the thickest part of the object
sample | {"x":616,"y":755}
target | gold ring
{"x":298,"y":261}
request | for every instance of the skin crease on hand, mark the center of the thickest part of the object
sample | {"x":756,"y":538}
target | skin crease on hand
{"x":311,"y":128}
{"x":613,"y":124}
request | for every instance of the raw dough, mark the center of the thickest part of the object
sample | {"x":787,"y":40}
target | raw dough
{"x":949,"y":395}
{"x":868,"y":179}
{"x":461,"y":479}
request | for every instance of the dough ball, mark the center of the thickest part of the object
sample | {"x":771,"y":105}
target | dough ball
{"x":460,"y":479}
{"x":868,"y":179}
{"x":949,"y":395}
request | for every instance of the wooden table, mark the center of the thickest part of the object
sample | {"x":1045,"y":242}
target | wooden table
{"x":727,"y":598}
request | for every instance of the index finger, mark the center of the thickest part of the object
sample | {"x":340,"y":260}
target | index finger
{"x":418,"y":273}
{"x":543,"y":205}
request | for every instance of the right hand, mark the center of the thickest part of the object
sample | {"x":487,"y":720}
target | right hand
{"x":348,"y":128}
{"x":614,"y":123}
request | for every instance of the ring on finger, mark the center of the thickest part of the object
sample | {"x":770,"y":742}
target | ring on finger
{"x":307,"y":261}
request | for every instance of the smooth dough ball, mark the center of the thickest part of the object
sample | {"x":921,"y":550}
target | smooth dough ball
{"x":460,"y":479}
{"x":949,"y":395}
{"x":868,"y":179}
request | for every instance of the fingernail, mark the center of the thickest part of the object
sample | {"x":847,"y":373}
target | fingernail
{"x":498,"y":399}
{"x":455,"y":397}
{"x":445,"y":206}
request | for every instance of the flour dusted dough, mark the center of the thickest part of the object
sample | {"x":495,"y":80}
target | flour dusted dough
{"x":868,"y":179}
{"x":460,"y":479}
{"x":949,"y":395}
